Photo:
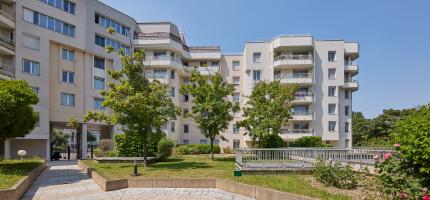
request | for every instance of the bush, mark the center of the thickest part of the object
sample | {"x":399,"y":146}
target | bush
{"x":196,"y":149}
{"x":129,"y":145}
{"x":335,"y":175}
{"x":227,"y":150}
{"x":272,"y":141}
{"x":106,"y":145}
{"x":164,"y":149}
{"x":309,"y":141}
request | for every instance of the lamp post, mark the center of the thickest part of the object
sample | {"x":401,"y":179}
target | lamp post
{"x":22,"y":153}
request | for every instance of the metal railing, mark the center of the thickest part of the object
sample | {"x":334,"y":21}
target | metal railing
{"x":7,"y":42}
{"x":7,"y":70}
{"x":292,"y":76}
{"x":351,"y":81}
{"x":297,"y":131}
{"x":294,"y":57}
{"x":163,"y":58}
{"x":7,"y":12}
{"x":302,"y":113}
{"x":304,"y":157}
{"x":303,"y":94}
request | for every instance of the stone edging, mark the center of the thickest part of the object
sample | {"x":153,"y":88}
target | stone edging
{"x":22,"y":185}
{"x":258,"y":193}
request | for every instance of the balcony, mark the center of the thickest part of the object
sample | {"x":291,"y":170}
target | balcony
{"x":7,"y":45}
{"x":351,"y":67}
{"x":7,"y":17}
{"x":205,"y":71}
{"x":351,"y":84}
{"x":303,"y":97}
{"x":164,"y":40}
{"x":351,"y":49}
{"x":162,"y":78}
{"x":293,"y":42}
{"x":302,"y":61}
{"x":302,"y":116}
{"x":7,"y":70}
{"x":163,"y":61}
{"x":295,"y":78}
{"x":293,"y":134}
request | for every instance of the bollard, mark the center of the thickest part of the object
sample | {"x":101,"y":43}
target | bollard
{"x":92,"y":151}
{"x":68,"y":152}
{"x":135,"y":168}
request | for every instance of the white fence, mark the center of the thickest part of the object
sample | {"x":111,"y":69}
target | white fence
{"x":304,"y":158}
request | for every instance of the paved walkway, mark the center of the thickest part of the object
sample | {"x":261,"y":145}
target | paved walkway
{"x":64,"y":180}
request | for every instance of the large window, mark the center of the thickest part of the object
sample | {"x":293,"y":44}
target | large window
{"x":106,"y":22}
{"x":332,"y":73}
{"x":332,"y":126}
{"x":331,"y":108}
{"x":68,"y":54}
{"x":98,"y":104}
{"x":31,"y":41}
{"x":331,"y":91}
{"x":105,"y":42}
{"x":99,"y":63}
{"x":31,"y":67}
{"x":65,"y":5}
{"x":67,"y":99}
{"x":257,"y":75}
{"x":256,"y":57}
{"x":68,"y":77}
{"x":48,"y":22}
{"x":236,"y":144}
{"x":236,"y":65}
{"x":332,"y":56}
{"x":99,"y":83}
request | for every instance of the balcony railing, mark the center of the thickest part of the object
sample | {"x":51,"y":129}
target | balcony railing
{"x":160,"y":36}
{"x":292,"y":76}
{"x":7,"y":12}
{"x":302,"y":113}
{"x":7,"y":42}
{"x":347,"y":63}
{"x":294,"y":57}
{"x":303,"y":94}
{"x":163,"y":58}
{"x":350,"y":81}
{"x":7,"y":70}
{"x":297,"y":131}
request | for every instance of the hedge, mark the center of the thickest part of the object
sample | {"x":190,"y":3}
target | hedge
{"x":196,"y":149}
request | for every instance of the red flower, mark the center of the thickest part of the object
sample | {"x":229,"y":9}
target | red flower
{"x":426,"y":197}
{"x":396,"y":145}
{"x":387,"y":156}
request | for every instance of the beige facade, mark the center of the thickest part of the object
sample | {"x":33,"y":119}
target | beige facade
{"x":59,"y":50}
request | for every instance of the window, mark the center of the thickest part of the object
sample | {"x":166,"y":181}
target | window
{"x":68,"y":54}
{"x":64,"y":5}
{"x":236,"y":97}
{"x":256,"y":57}
{"x":172,"y":91}
{"x":186,"y":142}
{"x":104,"y":42}
{"x":203,"y":141}
{"x":277,"y":75}
{"x":236,"y":65}
{"x":48,"y":22}
{"x":99,"y":83}
{"x":236,"y":80}
{"x":331,"y":126}
{"x":99,"y":63}
{"x":257,"y":75}
{"x":331,"y":108}
{"x":38,"y":120}
{"x":98,"y":104}
{"x":236,"y":144}
{"x":172,"y":126}
{"x":159,"y":55}
{"x":236,"y":129}
{"x":68,"y":77}
{"x":172,"y":74}
{"x":300,"y":110}
{"x":346,"y":110}
{"x":346,"y":94}
{"x":301,"y":125}
{"x":332,"y":56}
{"x":185,"y":112}
{"x":214,"y":63}
{"x":331,"y":91}
{"x":35,"y":90}
{"x":186,"y":128}
{"x":31,"y":41}
{"x":331,"y":73}
{"x":203,"y":63}
{"x":346,"y":127}
{"x":30,"y":67}
{"x":236,"y":114}
{"x":105,"y":22}
{"x":160,"y":73}
{"x":100,"y":41}
{"x":186,"y":98}
{"x":67,"y":99}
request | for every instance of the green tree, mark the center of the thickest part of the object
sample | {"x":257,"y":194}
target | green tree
{"x":60,"y":140}
{"x":309,"y":141}
{"x":413,"y":135}
{"x":267,"y":109}
{"x":139,"y":105}
{"x":211,"y":109}
{"x":360,"y":128}
{"x":17,"y":115}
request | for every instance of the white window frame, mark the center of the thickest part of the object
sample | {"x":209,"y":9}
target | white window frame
{"x":69,"y":74}
{"x":67,"y":54}
{"x":256,"y":57}
{"x":33,"y":65}
{"x":68,"y":99}
{"x":236,"y":67}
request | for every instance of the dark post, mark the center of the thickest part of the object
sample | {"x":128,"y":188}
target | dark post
{"x":92,"y":151}
{"x":135,"y":168}
{"x":50,"y":149}
{"x":68,"y":152}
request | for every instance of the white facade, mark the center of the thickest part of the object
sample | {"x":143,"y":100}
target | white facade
{"x":289,"y":59}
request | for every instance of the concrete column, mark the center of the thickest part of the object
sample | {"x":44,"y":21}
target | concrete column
{"x":48,"y":149}
{"x":7,"y":149}
{"x":84,"y":144}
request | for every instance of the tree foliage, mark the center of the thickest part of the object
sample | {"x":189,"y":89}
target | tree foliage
{"x":267,"y":109}
{"x":413,"y":135}
{"x":211,"y":108}
{"x":139,"y":105}
{"x":17,"y":115}
{"x":309,"y":141}
{"x":60,"y":140}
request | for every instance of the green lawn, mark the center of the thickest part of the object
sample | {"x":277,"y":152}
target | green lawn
{"x":203,"y":167}
{"x":11,"y":171}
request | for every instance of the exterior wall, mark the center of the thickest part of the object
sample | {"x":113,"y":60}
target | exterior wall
{"x":33,"y":147}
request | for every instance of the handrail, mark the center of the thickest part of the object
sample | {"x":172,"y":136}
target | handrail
{"x":306,"y":113}
{"x":297,"y":131}
{"x":293,"y":57}
{"x":303,"y":94}
{"x":7,"y":70}
{"x":6,"y":12}
{"x":7,"y":41}
{"x":164,"y":58}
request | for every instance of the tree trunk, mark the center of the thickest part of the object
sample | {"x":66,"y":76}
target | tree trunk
{"x":212,"y":149}
{"x":145,"y":151}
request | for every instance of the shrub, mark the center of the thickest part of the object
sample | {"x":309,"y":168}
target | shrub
{"x":272,"y":141}
{"x":164,"y":149}
{"x":413,"y":135}
{"x":227,"y":150}
{"x":106,"y":145}
{"x":335,"y":175}
{"x":309,"y":141}
{"x":129,"y":145}
{"x":196,"y":149}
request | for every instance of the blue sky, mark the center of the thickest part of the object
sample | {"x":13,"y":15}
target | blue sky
{"x":394,"y":36}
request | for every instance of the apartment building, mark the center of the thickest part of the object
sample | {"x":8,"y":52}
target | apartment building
{"x":58,"y":47}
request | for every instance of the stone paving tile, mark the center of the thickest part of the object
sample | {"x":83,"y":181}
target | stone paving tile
{"x":63,"y":180}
